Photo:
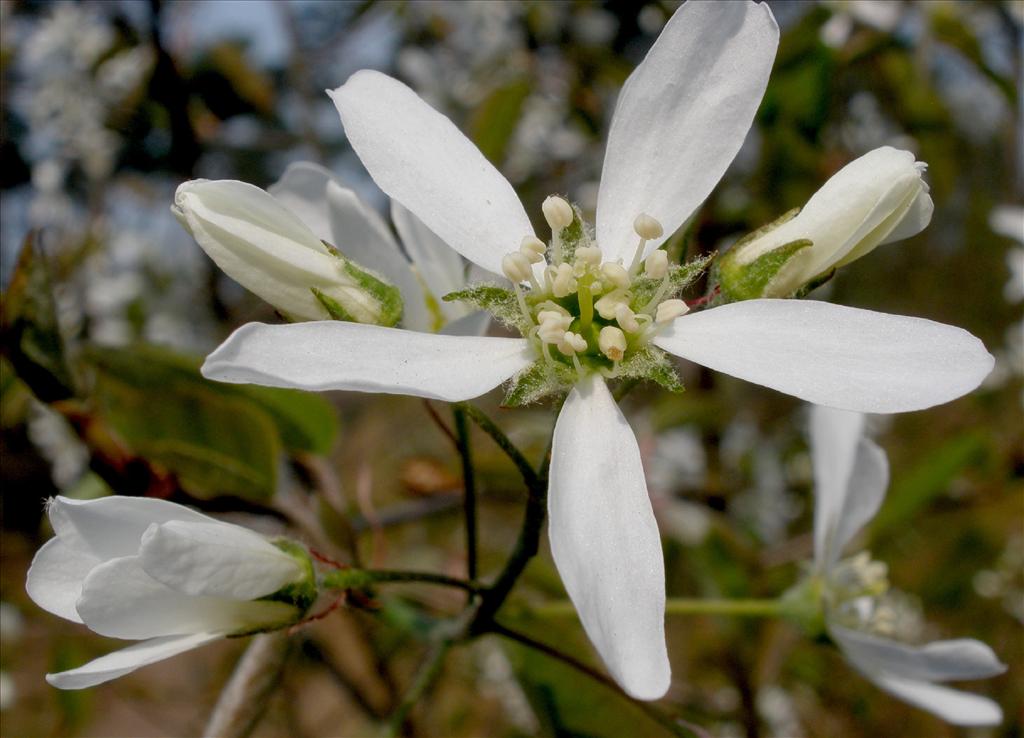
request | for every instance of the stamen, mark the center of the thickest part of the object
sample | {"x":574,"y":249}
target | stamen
{"x":565,"y":281}
{"x":670,"y":310}
{"x":559,"y":214}
{"x":607,"y":305}
{"x":516,"y":266}
{"x":656,"y":264}
{"x":647,"y":228}
{"x":626,"y":318}
{"x":533,"y":249}
{"x":615,"y":273}
{"x":612,"y":342}
{"x":590,"y":255}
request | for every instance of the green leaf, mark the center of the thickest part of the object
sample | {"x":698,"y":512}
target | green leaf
{"x":31,"y":333}
{"x":305,"y":421}
{"x":495,"y":120}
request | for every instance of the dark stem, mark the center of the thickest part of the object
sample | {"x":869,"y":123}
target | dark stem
{"x":346,"y":578}
{"x":488,"y":426}
{"x":427,"y":674}
{"x":469,"y":487}
{"x":440,"y":423}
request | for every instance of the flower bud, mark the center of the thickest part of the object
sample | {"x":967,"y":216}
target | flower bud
{"x":670,"y":310}
{"x":656,"y":265}
{"x":612,"y":342}
{"x":647,"y":227}
{"x":557,"y":212}
{"x":876,"y":199}
{"x":516,"y":266}
{"x":263,"y":246}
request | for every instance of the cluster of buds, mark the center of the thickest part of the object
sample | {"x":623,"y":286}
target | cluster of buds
{"x":581,"y":309}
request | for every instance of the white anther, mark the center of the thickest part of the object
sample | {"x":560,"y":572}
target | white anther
{"x":572,"y":343}
{"x":626,"y":318}
{"x":564,"y":283}
{"x":589,"y":255}
{"x":549,"y":306}
{"x":647,"y":227}
{"x":533,"y":249}
{"x":606,"y":306}
{"x":656,"y":265}
{"x":615,"y":273}
{"x":670,"y":310}
{"x":557,"y":212}
{"x":516,"y":266}
{"x":612,"y":342}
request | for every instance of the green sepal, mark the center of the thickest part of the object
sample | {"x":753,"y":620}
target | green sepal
{"x":300,"y":594}
{"x":653,"y":364}
{"x":538,"y":381}
{"x":767,"y":228}
{"x":499,"y":301}
{"x":387,"y":295}
{"x":680,"y":276}
{"x":750,"y":281}
{"x":815,"y":284}
{"x":332,"y":306}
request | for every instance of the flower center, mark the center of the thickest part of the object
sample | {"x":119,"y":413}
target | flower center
{"x":584,"y":311}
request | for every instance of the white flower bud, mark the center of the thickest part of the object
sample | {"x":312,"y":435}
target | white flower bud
{"x":588,"y":255}
{"x":533,"y":249}
{"x":670,"y":310}
{"x":557,"y":212}
{"x":565,"y":282}
{"x":607,"y":305}
{"x":876,"y":199}
{"x":516,"y":266}
{"x":267,"y":249}
{"x":647,"y":227}
{"x":615,"y":273}
{"x":656,"y":265}
{"x":612,"y":342}
{"x":626,"y":318}
{"x":150,"y":569}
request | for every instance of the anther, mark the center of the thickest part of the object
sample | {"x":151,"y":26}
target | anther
{"x":670,"y":310}
{"x":589,"y":255}
{"x":626,"y":318}
{"x":612,"y":342}
{"x":647,"y":227}
{"x":615,"y":273}
{"x":557,"y":212}
{"x":564,"y":283}
{"x":572,"y":343}
{"x":607,"y":305}
{"x":533,"y":249}
{"x":656,"y":264}
{"x":516,"y":266}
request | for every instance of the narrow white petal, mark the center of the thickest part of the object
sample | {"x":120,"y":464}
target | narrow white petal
{"x":471,"y":324}
{"x":605,"y":541}
{"x":303,"y":190}
{"x":832,"y":355}
{"x":834,"y":438}
{"x":216,"y":559}
{"x":939,"y":661}
{"x":418,"y":157}
{"x":119,"y":599}
{"x":682,"y":116}
{"x":952,"y":705}
{"x":127,"y":660}
{"x":112,"y":526}
{"x":365,"y":358}
{"x":440,"y":266}
{"x":865,"y":492}
{"x":55,"y":578}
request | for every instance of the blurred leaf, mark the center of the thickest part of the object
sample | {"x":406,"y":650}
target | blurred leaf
{"x":494,"y":121}
{"x":929,"y":479}
{"x":306,"y":421}
{"x":31,"y":333}
{"x":248,"y":83}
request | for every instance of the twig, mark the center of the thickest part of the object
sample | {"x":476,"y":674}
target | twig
{"x":344,"y":578}
{"x":408,"y":512}
{"x":490,"y":428}
{"x":428,"y":672}
{"x":469,"y":487}
{"x":312,"y":651}
{"x":244,"y":698}
{"x":441,"y":424}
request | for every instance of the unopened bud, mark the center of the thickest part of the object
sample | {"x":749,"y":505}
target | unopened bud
{"x":615,"y":273}
{"x":656,"y":265}
{"x":516,"y":266}
{"x":626,"y":318}
{"x":647,"y":227}
{"x":612,"y":342}
{"x":557,"y":212}
{"x":670,"y":310}
{"x":533,"y":249}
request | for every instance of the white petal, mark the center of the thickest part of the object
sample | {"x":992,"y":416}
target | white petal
{"x":471,"y":324}
{"x":939,"y":661}
{"x":605,"y":541}
{"x":832,"y":355}
{"x":365,"y":358}
{"x":834,"y":438}
{"x":681,"y":117}
{"x":418,"y":157}
{"x":121,"y":601}
{"x":438,"y":264}
{"x":864,"y":494}
{"x":127,"y":660}
{"x":303,"y":190}
{"x":55,"y":578}
{"x":952,"y":705}
{"x":915,"y":220}
{"x":216,"y":559}
{"x":260,"y":244}
{"x":112,"y":526}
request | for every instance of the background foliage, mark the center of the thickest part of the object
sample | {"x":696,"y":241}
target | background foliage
{"x":108,"y":306}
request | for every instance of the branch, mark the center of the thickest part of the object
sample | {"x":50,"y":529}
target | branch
{"x":469,"y":488}
{"x":244,"y":698}
{"x":428,"y":672}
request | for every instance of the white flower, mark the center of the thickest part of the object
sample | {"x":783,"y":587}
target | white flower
{"x":1008,"y":221}
{"x":875,"y":199}
{"x":157,"y":572}
{"x":851,"y":474}
{"x":680,"y":119}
